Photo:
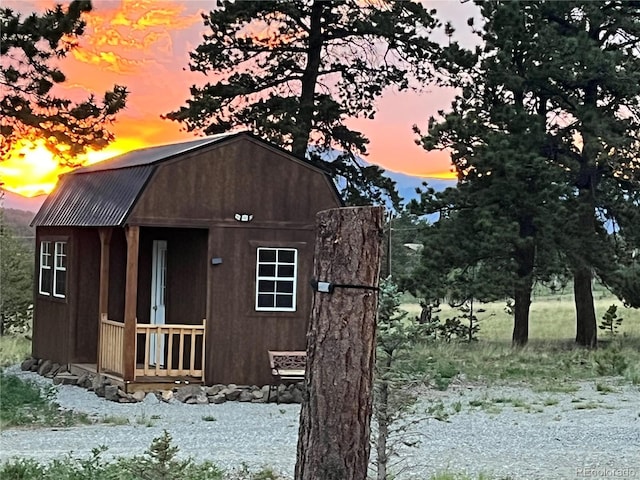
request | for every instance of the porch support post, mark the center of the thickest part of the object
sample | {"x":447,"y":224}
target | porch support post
{"x":130,"y":303}
{"x":103,"y":304}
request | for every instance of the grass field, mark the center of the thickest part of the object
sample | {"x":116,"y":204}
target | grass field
{"x":552,"y":318}
{"x":550,"y":360}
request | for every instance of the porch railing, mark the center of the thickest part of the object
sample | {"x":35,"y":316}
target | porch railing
{"x":111,"y":346}
{"x":172,"y":350}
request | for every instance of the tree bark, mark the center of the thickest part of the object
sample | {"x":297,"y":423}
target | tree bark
{"x":333,"y":441}
{"x":587,"y":182}
{"x":308,"y":82}
{"x":524,"y":255}
{"x":382,"y":418}
{"x":521,"y":307}
{"x":586,"y":328}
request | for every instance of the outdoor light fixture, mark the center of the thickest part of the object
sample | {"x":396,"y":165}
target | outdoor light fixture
{"x":243,"y":217}
{"x":216,"y":261}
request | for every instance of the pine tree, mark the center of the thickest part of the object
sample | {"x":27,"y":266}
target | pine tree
{"x":544,"y":136}
{"x":30,"y":108}
{"x":295,"y":72}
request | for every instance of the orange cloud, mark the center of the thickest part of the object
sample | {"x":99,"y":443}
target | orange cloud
{"x":145,"y":45}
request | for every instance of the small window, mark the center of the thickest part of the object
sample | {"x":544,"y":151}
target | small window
{"x":60,"y":270}
{"x":53,"y":269}
{"x":276,"y":279}
{"x":46,"y":274}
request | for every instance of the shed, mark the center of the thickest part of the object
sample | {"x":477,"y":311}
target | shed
{"x":179,"y":263}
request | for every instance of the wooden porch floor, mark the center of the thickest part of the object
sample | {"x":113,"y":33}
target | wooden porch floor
{"x":144,"y":384}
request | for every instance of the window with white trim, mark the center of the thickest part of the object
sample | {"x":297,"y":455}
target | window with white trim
{"x":46,"y":272}
{"x":276,"y":271}
{"x":60,"y":270}
{"x":52,"y":280}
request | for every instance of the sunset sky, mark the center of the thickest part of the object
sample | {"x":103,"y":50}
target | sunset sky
{"x":145,"y":45}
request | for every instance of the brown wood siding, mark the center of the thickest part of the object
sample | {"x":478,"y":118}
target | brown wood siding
{"x":52,"y":316}
{"x":191,"y":202}
{"x":186,"y":274}
{"x":206,"y":189}
{"x":238,"y":336}
{"x":88,"y":291}
{"x":117,"y":275}
{"x":242,"y":176}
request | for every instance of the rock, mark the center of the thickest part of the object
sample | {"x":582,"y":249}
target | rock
{"x":265,"y":393}
{"x":45,"y":367}
{"x":139,"y":396}
{"x":232,"y":392}
{"x":111,"y":393}
{"x":124,"y":397}
{"x":151,"y":399}
{"x":28,"y":363}
{"x":65,"y":379}
{"x":200,"y":399}
{"x":245,"y":396}
{"x":86,"y":381}
{"x":257,"y":394}
{"x":185,"y":393}
{"x":55,"y":369}
{"x":296,"y":395}
{"x":215,"y":389}
{"x":166,"y":396}
{"x":286,"y":397}
{"x":218,"y":398}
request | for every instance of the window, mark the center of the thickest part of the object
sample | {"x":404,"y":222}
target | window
{"x":60,"y":270}
{"x":45,"y":269}
{"x":53,"y":269}
{"x":276,"y":279}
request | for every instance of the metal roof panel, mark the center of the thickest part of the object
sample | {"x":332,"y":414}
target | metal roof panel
{"x":102,"y":199}
{"x":151,"y":155}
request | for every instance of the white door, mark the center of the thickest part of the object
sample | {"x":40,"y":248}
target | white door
{"x":158,"y":296}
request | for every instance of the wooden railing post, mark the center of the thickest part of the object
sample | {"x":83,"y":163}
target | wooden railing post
{"x":130,"y":304}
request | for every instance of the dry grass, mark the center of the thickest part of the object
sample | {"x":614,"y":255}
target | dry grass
{"x":552,"y":318}
{"x":549,"y":361}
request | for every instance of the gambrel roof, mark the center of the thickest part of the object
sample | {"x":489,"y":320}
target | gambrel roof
{"x":103,"y":194}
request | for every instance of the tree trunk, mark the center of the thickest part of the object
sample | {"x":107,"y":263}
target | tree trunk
{"x":586,"y":328}
{"x":524,"y":255}
{"x":333,"y":441}
{"x":587,"y":182}
{"x":382,"y":419}
{"x":521,"y":306}
{"x":309,"y":80}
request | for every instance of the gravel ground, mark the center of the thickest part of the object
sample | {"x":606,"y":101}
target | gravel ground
{"x":498,"y":431}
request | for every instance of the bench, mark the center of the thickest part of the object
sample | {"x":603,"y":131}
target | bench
{"x":286,"y":367}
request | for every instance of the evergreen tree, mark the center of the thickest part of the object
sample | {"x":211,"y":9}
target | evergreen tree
{"x":30,"y":108}
{"x":591,"y":76}
{"x":501,"y":218}
{"x":16,"y":281}
{"x":295,"y":72}
{"x":545,"y":139}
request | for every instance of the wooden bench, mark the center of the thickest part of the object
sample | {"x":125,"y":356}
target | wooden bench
{"x":286,"y":367}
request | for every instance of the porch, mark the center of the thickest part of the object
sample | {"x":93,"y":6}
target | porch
{"x":145,"y":354}
{"x":171,"y":354}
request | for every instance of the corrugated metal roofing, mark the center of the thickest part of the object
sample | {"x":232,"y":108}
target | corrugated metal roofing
{"x":103,"y":194}
{"x":151,"y":155}
{"x":102,"y":199}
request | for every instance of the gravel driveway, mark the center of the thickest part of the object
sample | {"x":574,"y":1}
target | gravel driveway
{"x":497,"y":431}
